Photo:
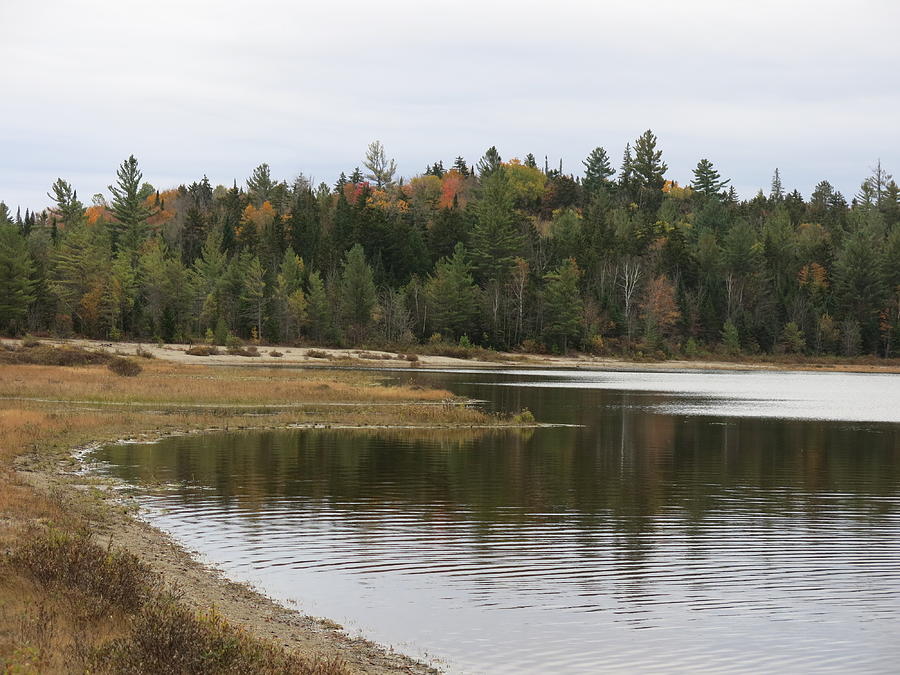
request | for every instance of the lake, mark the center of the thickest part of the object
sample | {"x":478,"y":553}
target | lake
{"x":732,"y":522}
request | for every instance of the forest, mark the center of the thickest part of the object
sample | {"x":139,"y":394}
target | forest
{"x":507,"y":255}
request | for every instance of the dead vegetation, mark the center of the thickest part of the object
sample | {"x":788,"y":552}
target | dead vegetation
{"x":75,"y":606}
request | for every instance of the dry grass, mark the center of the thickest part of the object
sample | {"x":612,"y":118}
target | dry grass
{"x":165,"y":382}
{"x":71,"y":605}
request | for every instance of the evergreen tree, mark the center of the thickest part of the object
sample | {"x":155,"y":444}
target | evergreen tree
{"x":452,"y":296}
{"x":16,"y":285}
{"x":460,"y":165}
{"x":318,"y":309}
{"x":253,"y":293}
{"x":598,"y":170}
{"x":69,"y":209}
{"x":357,"y":294}
{"x":260,"y":185}
{"x":707,"y":180}
{"x":776,"y":193}
{"x":381,"y":171}
{"x":562,"y":304}
{"x":489,"y":164}
{"x":495,"y":239}
{"x":649,"y":169}
{"x":129,"y":207}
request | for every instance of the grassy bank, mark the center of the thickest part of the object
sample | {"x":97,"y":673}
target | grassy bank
{"x":85,"y":587}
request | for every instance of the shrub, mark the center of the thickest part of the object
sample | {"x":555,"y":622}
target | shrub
{"x":202,"y":350}
{"x":168,"y":637}
{"x":317,"y":354}
{"x":125,"y":367}
{"x":63,"y":561}
{"x":276,"y":353}
{"x":525,"y":416}
{"x":30,"y":341}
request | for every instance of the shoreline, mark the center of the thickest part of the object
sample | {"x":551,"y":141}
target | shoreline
{"x":334,"y":358}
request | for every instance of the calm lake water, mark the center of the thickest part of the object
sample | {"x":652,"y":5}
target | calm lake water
{"x":734,"y":522}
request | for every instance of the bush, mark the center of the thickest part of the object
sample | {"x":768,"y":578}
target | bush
{"x":125,"y":367}
{"x":143,"y":353}
{"x":276,"y":353}
{"x":524,"y":417}
{"x":65,"y":561}
{"x":166,"y":637}
{"x":202,"y":350}
{"x":317,"y":354}
{"x":47,"y":355}
{"x":30,"y":341}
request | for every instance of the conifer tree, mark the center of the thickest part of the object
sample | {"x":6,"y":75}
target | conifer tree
{"x":260,"y":185}
{"x":489,"y":164}
{"x":452,"y":296}
{"x":598,"y":170}
{"x":128,"y":206}
{"x":381,"y":170}
{"x":16,"y":285}
{"x":70,"y":210}
{"x":318,"y":309}
{"x":495,"y":239}
{"x":562,"y":304}
{"x":707,"y":181}
{"x":357,"y":294}
{"x":649,"y":169}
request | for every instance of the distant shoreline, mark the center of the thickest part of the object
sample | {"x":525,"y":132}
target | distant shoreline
{"x":380,"y":359}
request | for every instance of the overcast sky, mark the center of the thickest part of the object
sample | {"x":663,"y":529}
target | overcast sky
{"x":192,"y":87}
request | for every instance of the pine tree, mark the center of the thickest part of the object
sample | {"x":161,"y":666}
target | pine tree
{"x":776,"y":193}
{"x":707,"y":180}
{"x":649,"y":169}
{"x":16,"y":285}
{"x":357,"y":294}
{"x":452,"y":296}
{"x":69,"y":209}
{"x":460,"y":165}
{"x":489,"y":164}
{"x":598,"y":170}
{"x":562,"y":304}
{"x":253,"y":293}
{"x":495,"y":239}
{"x":381,"y":171}
{"x":318,"y":309}
{"x":128,"y":206}
{"x":260,"y":185}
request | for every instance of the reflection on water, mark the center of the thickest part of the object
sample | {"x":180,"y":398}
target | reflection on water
{"x":639,"y":541}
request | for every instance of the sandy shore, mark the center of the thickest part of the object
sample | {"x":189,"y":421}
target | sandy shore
{"x":313,"y":356}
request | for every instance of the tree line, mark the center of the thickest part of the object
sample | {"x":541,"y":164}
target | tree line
{"x":502,"y":254}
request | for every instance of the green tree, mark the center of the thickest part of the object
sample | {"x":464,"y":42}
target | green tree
{"x":69,"y":208}
{"x":597,"y":170}
{"x":563,"y":306}
{"x":859,"y":280}
{"x":495,"y":239}
{"x":452,"y":296}
{"x":707,"y":180}
{"x":260,"y":185}
{"x":489,"y":164}
{"x":318,"y":309}
{"x":291,"y":299}
{"x":357,"y":294}
{"x":16,"y":286}
{"x":649,"y":169}
{"x":128,"y":206}
{"x":253,"y":293}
